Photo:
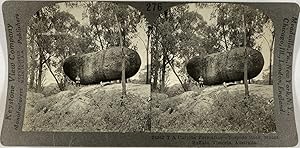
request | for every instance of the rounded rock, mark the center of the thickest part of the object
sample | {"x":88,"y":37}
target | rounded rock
{"x":102,"y":66}
{"x":225,"y":66}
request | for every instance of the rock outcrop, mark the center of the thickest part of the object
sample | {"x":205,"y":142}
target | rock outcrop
{"x":215,"y":109}
{"x":225,"y":66}
{"x":102,"y":66}
{"x":92,"y":108}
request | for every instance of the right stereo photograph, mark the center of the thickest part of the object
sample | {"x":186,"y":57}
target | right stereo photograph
{"x":211,"y":70}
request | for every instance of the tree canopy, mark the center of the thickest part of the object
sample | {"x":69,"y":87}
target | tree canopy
{"x":177,"y":35}
{"x":181,"y":33}
{"x":56,"y":34}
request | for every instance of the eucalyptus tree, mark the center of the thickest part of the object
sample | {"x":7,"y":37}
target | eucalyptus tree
{"x":51,"y":34}
{"x":178,"y":35}
{"x":229,"y":24}
{"x":239,"y":26}
{"x":104,"y":26}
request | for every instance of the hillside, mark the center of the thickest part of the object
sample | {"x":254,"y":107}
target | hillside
{"x":215,"y":109}
{"x":96,"y":108}
{"x":89,"y":109}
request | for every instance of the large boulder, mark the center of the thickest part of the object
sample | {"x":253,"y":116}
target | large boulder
{"x":225,"y":66}
{"x":102,"y":66}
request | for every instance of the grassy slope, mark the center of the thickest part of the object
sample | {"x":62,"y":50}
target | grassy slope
{"x":90,"y":108}
{"x":216,"y":109}
{"x":94,"y":108}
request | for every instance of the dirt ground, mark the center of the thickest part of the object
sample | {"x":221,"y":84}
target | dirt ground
{"x":96,"y":108}
{"x":215,"y":109}
{"x":91,"y":108}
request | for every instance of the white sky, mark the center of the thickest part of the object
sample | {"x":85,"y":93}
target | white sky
{"x":141,"y":41}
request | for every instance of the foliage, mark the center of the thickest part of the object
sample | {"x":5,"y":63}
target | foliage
{"x":229,"y":25}
{"x":103,"y":25}
{"x":51,"y":33}
{"x":57,"y":34}
{"x":178,"y":34}
{"x":181,"y":33}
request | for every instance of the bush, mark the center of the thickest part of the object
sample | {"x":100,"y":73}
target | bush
{"x":174,"y":90}
{"x":50,"y":89}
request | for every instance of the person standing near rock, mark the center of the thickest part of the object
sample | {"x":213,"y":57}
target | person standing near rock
{"x":77,"y":81}
{"x":201,"y":81}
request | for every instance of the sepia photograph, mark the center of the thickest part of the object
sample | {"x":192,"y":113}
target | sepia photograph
{"x":149,"y":73}
{"x":211,"y":70}
{"x":87,"y":68}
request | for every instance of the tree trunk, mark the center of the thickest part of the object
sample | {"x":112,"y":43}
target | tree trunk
{"x":52,"y":73}
{"x":32,"y":74}
{"x":148,"y":44}
{"x":224,"y":36}
{"x":99,"y":37}
{"x":123,"y":60}
{"x":163,"y":71}
{"x":36,"y":80}
{"x":155,"y":64}
{"x":32,"y":65}
{"x":40,"y":66}
{"x":270,"y":66}
{"x":155,"y":77}
{"x":123,"y":73}
{"x":40,"y":71}
{"x":246,"y":60}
